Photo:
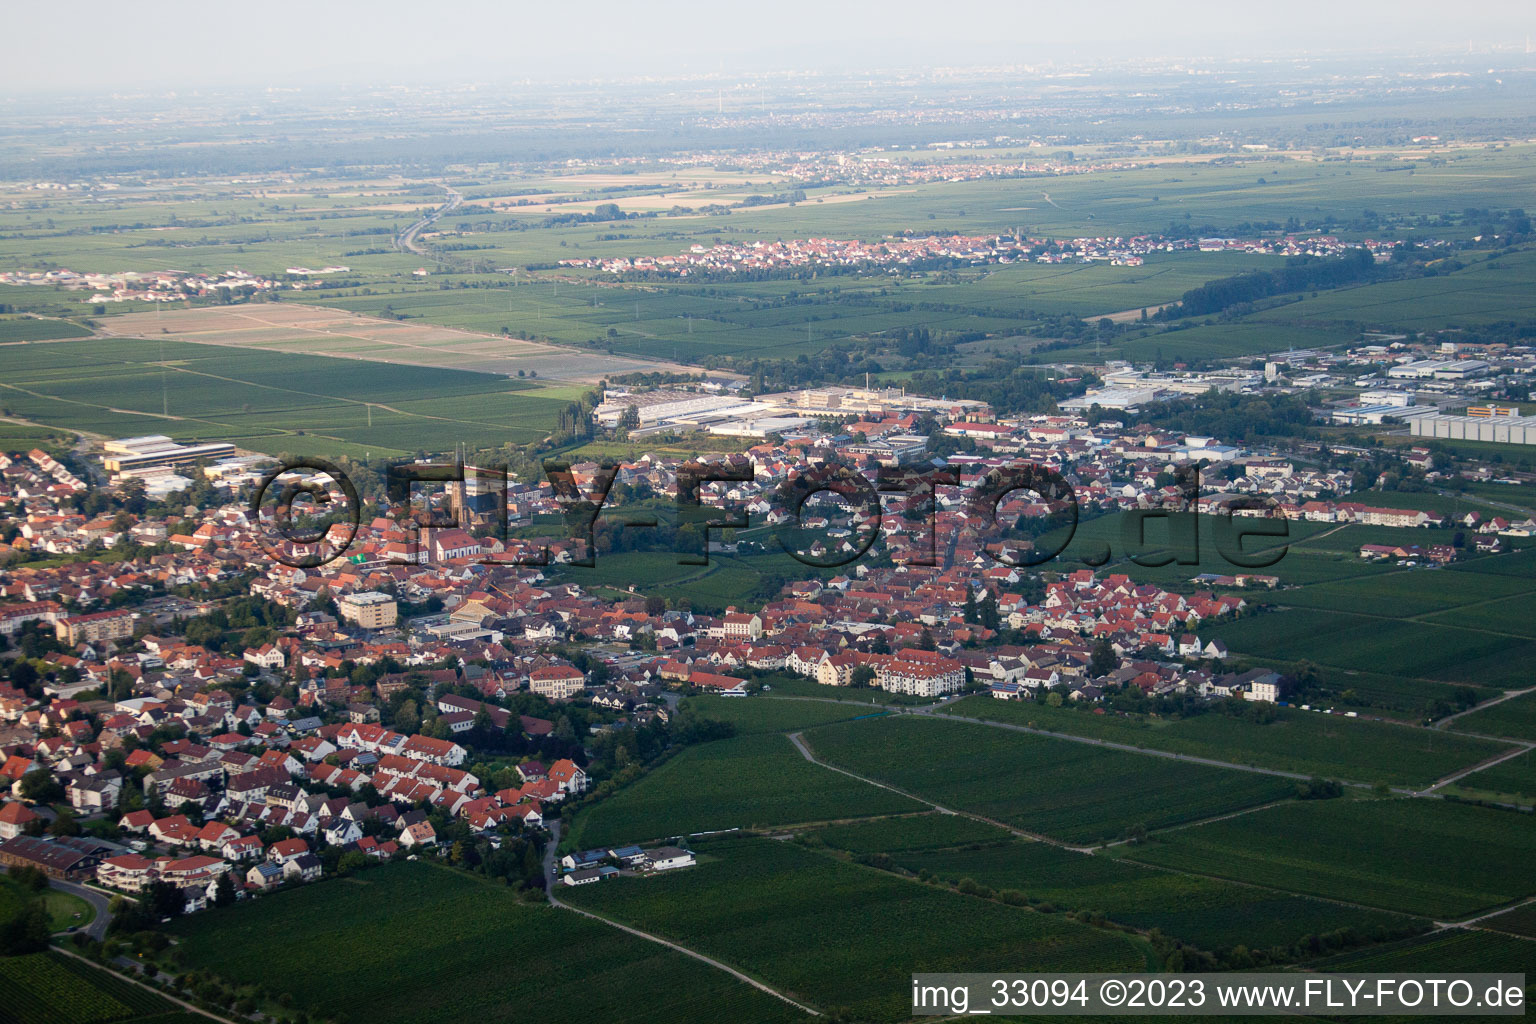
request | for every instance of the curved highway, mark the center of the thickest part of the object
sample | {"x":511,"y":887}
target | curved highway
{"x":405,"y":241}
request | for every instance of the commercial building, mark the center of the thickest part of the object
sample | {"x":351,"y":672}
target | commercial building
{"x":368,"y":610}
{"x":1361,"y":414}
{"x":1493,"y":429}
{"x":156,"y":450}
{"x":1129,"y":400}
{"x":1439,"y":369}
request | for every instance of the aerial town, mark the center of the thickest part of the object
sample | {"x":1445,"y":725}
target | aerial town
{"x":678,"y":517}
{"x":343,"y":719}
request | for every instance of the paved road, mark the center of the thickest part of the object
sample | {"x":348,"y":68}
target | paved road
{"x":1489,"y":763}
{"x":1508,"y":695}
{"x":553,"y":886}
{"x":406,"y":242}
{"x":97,"y":929}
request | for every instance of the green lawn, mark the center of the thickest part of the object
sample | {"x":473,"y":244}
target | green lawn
{"x":62,"y":906}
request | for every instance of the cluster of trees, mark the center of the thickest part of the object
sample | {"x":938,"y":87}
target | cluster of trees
{"x":1234,"y":417}
{"x":984,"y":612}
{"x":26,"y":928}
{"x":257,"y":619}
{"x":1006,"y":386}
{"x":1300,"y":273}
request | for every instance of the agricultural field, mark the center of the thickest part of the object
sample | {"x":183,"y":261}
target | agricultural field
{"x":267,"y":402}
{"x":838,"y":935}
{"x":24,"y":329}
{"x":1520,"y":563}
{"x":1073,"y":792}
{"x":726,"y":580}
{"x":761,"y":713}
{"x":1204,"y":912}
{"x":475,"y":952}
{"x":1401,"y":697}
{"x":1520,"y":921}
{"x":911,"y":833}
{"x":800,"y":686}
{"x":1294,"y":562}
{"x":301,"y":329}
{"x":1512,"y":781}
{"x":1514,"y":717}
{"x":1392,"y":854}
{"x":49,"y":988}
{"x":1487,"y":290}
{"x":1411,"y":593}
{"x":22,"y":437}
{"x":743,"y":782}
{"x":1306,"y":742}
{"x":1353,"y":641}
{"x":1456,"y":949}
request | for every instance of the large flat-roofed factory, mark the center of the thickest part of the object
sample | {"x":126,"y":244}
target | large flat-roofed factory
{"x":1485,"y":423}
{"x":154,"y":451}
{"x":664,"y":411}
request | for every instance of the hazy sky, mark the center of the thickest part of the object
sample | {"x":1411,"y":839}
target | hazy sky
{"x":95,"y":45}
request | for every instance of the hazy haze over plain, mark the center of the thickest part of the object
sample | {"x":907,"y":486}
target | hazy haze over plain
{"x":99,"y":46}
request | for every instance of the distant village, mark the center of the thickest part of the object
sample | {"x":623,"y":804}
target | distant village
{"x":167,"y":285}
{"x":915,"y":251}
